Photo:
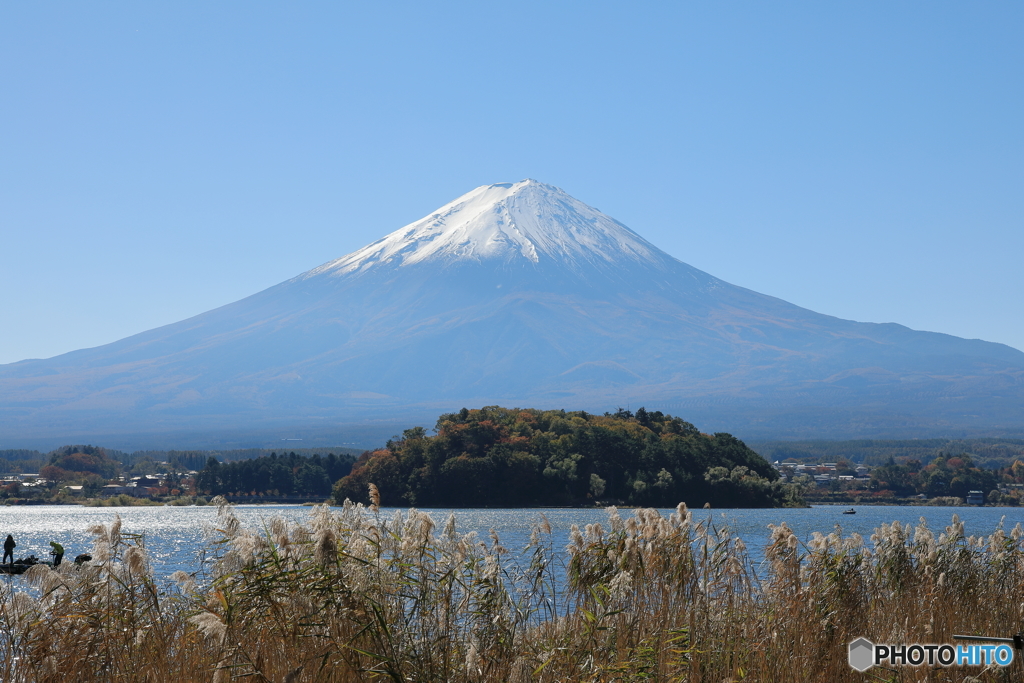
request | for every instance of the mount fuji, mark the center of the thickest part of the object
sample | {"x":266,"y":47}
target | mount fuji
{"x":519,"y":294}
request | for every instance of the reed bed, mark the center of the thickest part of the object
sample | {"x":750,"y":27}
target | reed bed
{"x":352,"y":595}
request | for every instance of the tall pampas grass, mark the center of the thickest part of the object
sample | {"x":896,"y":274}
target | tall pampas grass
{"x":356,"y":596}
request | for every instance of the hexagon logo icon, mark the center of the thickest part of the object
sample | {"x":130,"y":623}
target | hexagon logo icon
{"x":862,"y":654}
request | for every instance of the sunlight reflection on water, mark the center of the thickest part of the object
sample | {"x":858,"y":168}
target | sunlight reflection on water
{"x":175,"y":536}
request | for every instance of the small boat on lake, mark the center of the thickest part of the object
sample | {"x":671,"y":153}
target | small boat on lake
{"x":21,"y":566}
{"x":851,"y":511}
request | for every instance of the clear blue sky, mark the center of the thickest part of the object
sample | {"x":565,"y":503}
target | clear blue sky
{"x":864,"y":160}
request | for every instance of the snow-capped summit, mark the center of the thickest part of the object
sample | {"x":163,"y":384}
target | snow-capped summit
{"x":524,"y":221}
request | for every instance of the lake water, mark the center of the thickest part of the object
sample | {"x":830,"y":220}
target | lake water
{"x":174,"y":536}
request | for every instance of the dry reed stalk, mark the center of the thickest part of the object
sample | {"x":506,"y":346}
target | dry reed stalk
{"x":353,"y":596}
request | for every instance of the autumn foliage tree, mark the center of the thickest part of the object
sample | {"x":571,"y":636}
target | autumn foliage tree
{"x":500,"y":457}
{"x":73,"y":462}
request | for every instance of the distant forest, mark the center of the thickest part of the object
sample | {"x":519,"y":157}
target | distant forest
{"x":14,"y":461}
{"x":985,"y":453}
{"x":17,"y":460}
{"x":945,"y":475}
{"x":277,"y":475}
{"x":494,"y":457}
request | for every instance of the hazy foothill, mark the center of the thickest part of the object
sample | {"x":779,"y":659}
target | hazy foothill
{"x":517,"y":294}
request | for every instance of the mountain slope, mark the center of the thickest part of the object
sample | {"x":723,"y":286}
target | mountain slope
{"x":518,"y":293}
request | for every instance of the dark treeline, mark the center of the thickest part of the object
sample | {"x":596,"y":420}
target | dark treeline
{"x":496,"y":457}
{"x":16,"y":460}
{"x":146,"y":462}
{"x":139,"y":462}
{"x":277,"y":475}
{"x":196,"y":459}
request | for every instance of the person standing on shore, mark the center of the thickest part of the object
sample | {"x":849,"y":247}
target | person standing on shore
{"x":9,"y":546}
{"x":57,"y":552}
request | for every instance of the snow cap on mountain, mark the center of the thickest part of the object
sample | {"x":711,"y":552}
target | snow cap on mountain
{"x":506,"y":222}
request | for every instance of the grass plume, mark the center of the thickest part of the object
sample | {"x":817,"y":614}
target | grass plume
{"x":351,"y":595}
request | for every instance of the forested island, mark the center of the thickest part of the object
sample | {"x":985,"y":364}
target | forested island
{"x":501,"y":457}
